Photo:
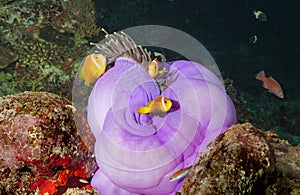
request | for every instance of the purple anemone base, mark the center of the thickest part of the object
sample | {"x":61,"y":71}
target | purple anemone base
{"x":137,"y":154}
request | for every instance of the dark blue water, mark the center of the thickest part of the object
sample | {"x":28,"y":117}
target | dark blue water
{"x":224,"y":28}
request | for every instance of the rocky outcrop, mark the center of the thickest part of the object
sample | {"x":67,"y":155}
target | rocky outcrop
{"x":41,"y":148}
{"x":245,"y":160}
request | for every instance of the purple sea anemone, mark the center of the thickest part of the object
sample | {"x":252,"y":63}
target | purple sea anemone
{"x":137,"y":153}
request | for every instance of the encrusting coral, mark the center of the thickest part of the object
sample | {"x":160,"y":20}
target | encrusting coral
{"x":41,"y":149}
{"x":81,"y":19}
{"x":48,"y":55}
{"x":245,"y":160}
{"x":7,"y":57}
{"x":231,"y":164}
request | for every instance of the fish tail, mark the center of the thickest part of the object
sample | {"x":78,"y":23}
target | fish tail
{"x":261,"y":75}
{"x":143,"y":110}
{"x":81,"y":74}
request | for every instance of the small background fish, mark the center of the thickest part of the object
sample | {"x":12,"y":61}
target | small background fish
{"x":253,"y":39}
{"x":260,"y":15}
{"x":270,"y":83}
{"x":180,"y":174}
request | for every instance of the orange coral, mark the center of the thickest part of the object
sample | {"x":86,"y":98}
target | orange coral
{"x":44,"y":185}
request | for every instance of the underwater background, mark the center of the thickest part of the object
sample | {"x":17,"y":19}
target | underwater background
{"x":47,"y":46}
{"x":225,"y":29}
{"x":43,"y":44}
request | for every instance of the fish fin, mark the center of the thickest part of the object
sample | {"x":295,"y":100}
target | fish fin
{"x":162,"y":71}
{"x":143,"y":110}
{"x":87,"y":83}
{"x":162,"y":114}
{"x":274,"y":80}
{"x":81,"y":76}
{"x":261,"y":75}
{"x":152,"y":114}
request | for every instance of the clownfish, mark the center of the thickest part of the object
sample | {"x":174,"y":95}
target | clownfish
{"x":159,"y":106}
{"x":270,"y":83}
{"x":180,"y":174}
{"x":153,"y":69}
{"x":94,"y":66}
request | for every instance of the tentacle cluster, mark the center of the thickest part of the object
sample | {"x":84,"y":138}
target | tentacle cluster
{"x":120,"y":44}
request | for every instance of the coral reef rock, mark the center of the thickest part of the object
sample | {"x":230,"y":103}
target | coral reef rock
{"x":287,"y":171}
{"x":7,"y":57}
{"x":232,"y":163}
{"x":49,"y":39}
{"x":242,"y":112}
{"x":284,"y":186}
{"x":40,"y":147}
{"x":246,"y":160}
{"x":81,"y":19}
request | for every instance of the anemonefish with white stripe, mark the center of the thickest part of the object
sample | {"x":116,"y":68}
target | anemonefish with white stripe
{"x":159,"y":106}
{"x":153,"y":68}
{"x":94,"y":66}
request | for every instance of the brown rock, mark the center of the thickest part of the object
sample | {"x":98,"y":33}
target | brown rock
{"x":6,"y":57}
{"x":246,"y":160}
{"x":284,"y":185}
{"x":232,"y":163}
{"x":40,"y":146}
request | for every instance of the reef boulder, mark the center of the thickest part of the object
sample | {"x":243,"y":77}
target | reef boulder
{"x":245,"y":160}
{"x":7,"y":57}
{"x":232,"y":163}
{"x":40,"y":148}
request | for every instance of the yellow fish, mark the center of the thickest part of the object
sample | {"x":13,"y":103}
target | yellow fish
{"x":94,"y":66}
{"x":153,"y":69}
{"x":159,"y":106}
